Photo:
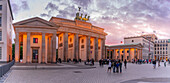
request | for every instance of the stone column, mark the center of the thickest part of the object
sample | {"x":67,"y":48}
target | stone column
{"x":43,"y":49}
{"x":115,"y":57}
{"x":65,"y":46}
{"x":28,"y":48}
{"x":50,"y":50}
{"x":54,"y":48}
{"x":103,"y":49}
{"x":17,"y":53}
{"x":134,"y":53}
{"x":123,"y":54}
{"x":96,"y":49}
{"x":88,"y":47}
{"x":76,"y":46}
{"x":130,"y":59}
{"x":119,"y":54}
{"x":109,"y":53}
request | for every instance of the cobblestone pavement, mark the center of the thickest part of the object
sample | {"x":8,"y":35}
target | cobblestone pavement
{"x":133,"y":74}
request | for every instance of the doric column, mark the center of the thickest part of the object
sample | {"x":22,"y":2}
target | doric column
{"x":103,"y":49}
{"x":134,"y":53}
{"x":123,"y":54}
{"x":65,"y":46}
{"x":17,"y":47}
{"x":115,"y":57}
{"x":43,"y":49}
{"x":96,"y":49}
{"x":50,"y":50}
{"x":88,"y":47}
{"x":129,"y":55}
{"x":54,"y":48}
{"x":76,"y":46}
{"x":109,"y":53}
{"x":119,"y":54}
{"x":28,"y":47}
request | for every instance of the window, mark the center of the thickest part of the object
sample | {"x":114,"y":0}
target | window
{"x":35,"y":40}
{"x":0,"y":7}
{"x":0,"y":53}
{"x":82,"y":41}
{"x":132,"y":40}
{"x":0,"y":21}
{"x":60,"y":38}
{"x":0,"y":35}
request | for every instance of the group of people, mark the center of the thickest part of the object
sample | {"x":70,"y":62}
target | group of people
{"x":159,"y":61}
{"x":116,"y":65}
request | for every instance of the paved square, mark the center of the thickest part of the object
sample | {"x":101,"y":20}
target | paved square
{"x":133,"y":74}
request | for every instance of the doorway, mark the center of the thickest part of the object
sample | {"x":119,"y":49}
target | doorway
{"x":35,"y":56}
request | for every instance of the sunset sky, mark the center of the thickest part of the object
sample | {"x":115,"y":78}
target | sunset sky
{"x":119,"y":18}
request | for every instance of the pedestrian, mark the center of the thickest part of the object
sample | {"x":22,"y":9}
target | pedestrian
{"x":150,"y":61}
{"x":125,"y":63}
{"x":159,"y":63}
{"x":114,"y":66}
{"x":92,"y":60}
{"x":109,"y":67}
{"x":154,"y":64}
{"x":100,"y":62}
{"x":165,"y":63}
{"x":120,"y":65}
{"x":117,"y":67}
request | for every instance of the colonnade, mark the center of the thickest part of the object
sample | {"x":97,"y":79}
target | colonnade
{"x":76,"y":46}
{"x":124,"y":53}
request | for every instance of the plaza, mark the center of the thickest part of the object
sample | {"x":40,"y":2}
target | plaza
{"x":71,"y":73}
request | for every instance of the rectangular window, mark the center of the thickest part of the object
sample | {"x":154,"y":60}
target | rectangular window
{"x":0,"y":35}
{"x":0,"y":7}
{"x":35,"y":40}
{"x":0,"y":53}
{"x":0,"y":21}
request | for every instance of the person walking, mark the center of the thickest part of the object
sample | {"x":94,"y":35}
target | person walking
{"x":117,"y":67}
{"x":109,"y":67}
{"x":164,"y":62}
{"x":125,"y":63}
{"x":159,"y":63}
{"x":120,"y":65}
{"x":114,"y":66}
{"x":154,"y":64}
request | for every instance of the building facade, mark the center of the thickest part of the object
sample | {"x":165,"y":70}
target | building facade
{"x":138,"y":47}
{"x":6,"y":18}
{"x":162,"y":49}
{"x":76,"y":40}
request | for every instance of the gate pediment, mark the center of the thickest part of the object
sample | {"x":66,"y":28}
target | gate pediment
{"x":35,"y":22}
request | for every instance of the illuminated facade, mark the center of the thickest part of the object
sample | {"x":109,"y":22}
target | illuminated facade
{"x":76,"y":40}
{"x":6,"y":18}
{"x":137,"y":47}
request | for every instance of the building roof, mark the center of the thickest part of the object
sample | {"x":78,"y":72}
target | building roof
{"x":10,"y":9}
{"x":125,"y":45}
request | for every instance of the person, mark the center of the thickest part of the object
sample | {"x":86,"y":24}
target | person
{"x":159,"y":63}
{"x":164,"y":62}
{"x":150,"y":61}
{"x":120,"y":65}
{"x":125,"y":63}
{"x":117,"y":67}
{"x":100,"y":62}
{"x":92,"y":60}
{"x":109,"y":67}
{"x":114,"y":66}
{"x":154,"y":64}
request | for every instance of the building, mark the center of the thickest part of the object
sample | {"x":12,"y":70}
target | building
{"x":151,"y":37}
{"x":6,"y":18}
{"x":162,"y":49}
{"x":76,"y":39}
{"x":137,"y":47}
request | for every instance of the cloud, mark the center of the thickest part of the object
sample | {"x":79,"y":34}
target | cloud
{"x":119,"y":18}
{"x":22,"y":5}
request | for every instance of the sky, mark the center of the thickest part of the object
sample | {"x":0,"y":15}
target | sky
{"x":119,"y":18}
